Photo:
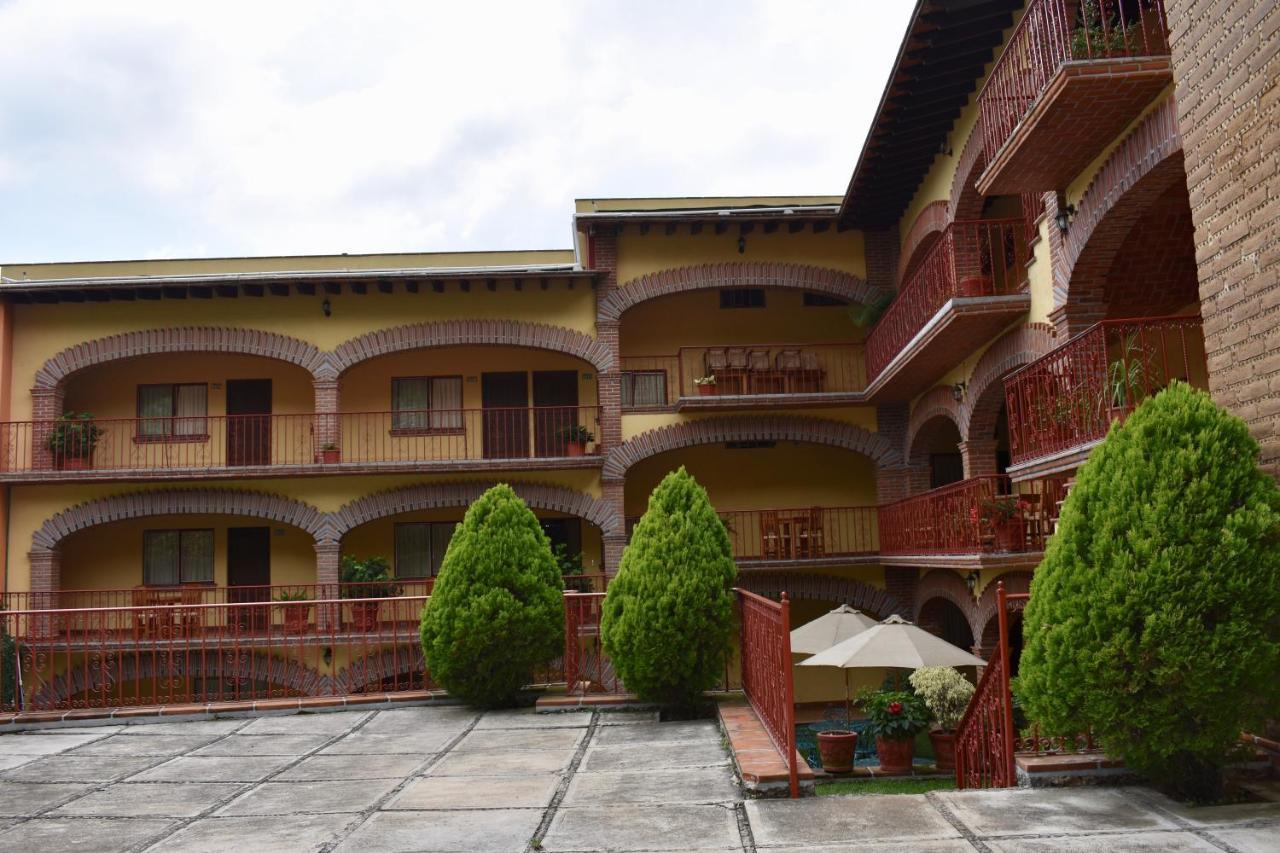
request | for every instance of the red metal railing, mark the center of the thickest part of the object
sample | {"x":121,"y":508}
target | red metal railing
{"x":766,"y":672}
{"x":242,"y":441}
{"x":979,"y":515}
{"x":985,"y":736}
{"x":981,"y":257}
{"x":1070,"y":396}
{"x":1053,"y":33}
{"x":802,"y":533}
{"x":756,"y":369}
{"x":587,"y":669}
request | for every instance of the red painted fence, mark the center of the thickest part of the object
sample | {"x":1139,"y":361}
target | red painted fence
{"x":802,"y":533}
{"x":979,"y":515}
{"x":767,"y":674}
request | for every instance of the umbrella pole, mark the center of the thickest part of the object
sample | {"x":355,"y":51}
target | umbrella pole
{"x":848,"y":705}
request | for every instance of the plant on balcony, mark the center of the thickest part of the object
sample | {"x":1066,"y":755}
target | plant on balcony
{"x":1005,"y":515}
{"x":706,"y":384}
{"x":946,"y":693}
{"x":72,"y":439}
{"x":1099,"y":35}
{"x":296,"y":615}
{"x":329,"y":454}
{"x":570,"y":566}
{"x":895,"y":717}
{"x":1128,"y":377}
{"x":576,"y":439}
{"x":1152,"y":619}
{"x":364,"y":579}
{"x":668,"y":616}
{"x":497,"y":609}
{"x":864,"y":315}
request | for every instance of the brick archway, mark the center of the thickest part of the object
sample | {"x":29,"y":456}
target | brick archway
{"x":984,"y":394}
{"x":949,"y":586}
{"x":733,"y":274}
{"x":447,"y":333}
{"x":966,"y":201}
{"x":438,"y":495}
{"x":404,"y":663}
{"x":923,"y":234}
{"x":769,"y":428}
{"x":937,"y":402}
{"x":800,"y":585}
{"x":985,"y":609}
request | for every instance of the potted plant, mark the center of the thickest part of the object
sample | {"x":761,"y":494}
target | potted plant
{"x":296,"y":615}
{"x":72,"y":439}
{"x":896,"y":717}
{"x":576,"y":439}
{"x":946,"y":693}
{"x":706,"y":385}
{"x":836,"y":748}
{"x":1006,"y":521}
{"x":369,"y":578}
{"x":329,"y":454}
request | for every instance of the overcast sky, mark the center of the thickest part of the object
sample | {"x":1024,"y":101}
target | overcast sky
{"x":177,"y":129}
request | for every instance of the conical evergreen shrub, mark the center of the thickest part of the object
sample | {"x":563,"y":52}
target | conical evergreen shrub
{"x":668,"y":616}
{"x":1155,"y":615}
{"x":497,"y":609}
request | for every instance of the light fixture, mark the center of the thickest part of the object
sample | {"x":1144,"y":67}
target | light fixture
{"x":326,"y":307}
{"x":742,"y":245}
{"x":1064,"y":217}
{"x":957,"y":391}
{"x":971,"y":581}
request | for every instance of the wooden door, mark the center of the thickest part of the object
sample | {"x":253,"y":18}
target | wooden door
{"x":249,"y":575}
{"x":505,"y":398}
{"x":555,"y":401}
{"x":249,"y":422}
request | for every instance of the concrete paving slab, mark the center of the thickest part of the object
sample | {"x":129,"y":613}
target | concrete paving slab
{"x":633,"y":827}
{"x":150,"y":799}
{"x":500,"y":763}
{"x":276,"y":834}
{"x":418,"y":743}
{"x":483,"y":792}
{"x":658,"y":733}
{"x":1065,"y":810}
{"x":491,"y":739}
{"x":836,"y":820}
{"x":1253,"y":839}
{"x":1135,"y":842}
{"x":953,"y":846}
{"x":81,"y":768}
{"x":264,"y":745}
{"x":123,"y":744}
{"x":82,"y":834}
{"x":694,"y":785}
{"x":210,"y":769}
{"x":43,"y":743}
{"x":654,"y":756}
{"x":281,"y":798}
{"x":8,"y":762}
{"x":494,"y":831}
{"x":20,"y":799}
{"x":185,"y":727}
{"x":625,"y":718}
{"x":1210,"y":816}
{"x":412,"y":720}
{"x":103,"y":730}
{"x":341,"y":767}
{"x":527,"y":718}
{"x":304,"y":724}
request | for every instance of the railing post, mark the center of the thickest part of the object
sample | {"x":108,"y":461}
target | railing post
{"x":1006,"y":694}
{"x":789,"y":699}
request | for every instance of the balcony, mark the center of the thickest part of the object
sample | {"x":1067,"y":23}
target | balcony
{"x":971,"y":284}
{"x":255,"y":445}
{"x":1062,"y":404}
{"x":1072,"y":77}
{"x":745,"y":376}
{"x":984,"y":520}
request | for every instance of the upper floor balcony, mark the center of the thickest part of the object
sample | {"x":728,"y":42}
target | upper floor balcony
{"x":969,"y":285}
{"x":1072,"y":76}
{"x":1062,"y":404}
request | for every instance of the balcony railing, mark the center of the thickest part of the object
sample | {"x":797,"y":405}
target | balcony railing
{"x":981,"y":257}
{"x":981,"y":515}
{"x":1070,"y":396}
{"x":799,"y":533}
{"x":1053,"y":33}
{"x":244,"y":441}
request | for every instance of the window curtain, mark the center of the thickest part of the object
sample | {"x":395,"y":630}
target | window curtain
{"x":446,"y":403}
{"x":644,"y":389}
{"x":413,"y":550}
{"x":197,"y":556}
{"x":410,"y":400}
{"x":191,"y":406}
{"x":155,"y":407}
{"x":160,"y":557}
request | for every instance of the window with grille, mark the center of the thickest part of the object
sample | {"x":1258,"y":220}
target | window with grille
{"x":427,"y":404}
{"x":173,"y":411}
{"x":644,"y":388}
{"x":171,"y":557}
{"x":420,"y":547}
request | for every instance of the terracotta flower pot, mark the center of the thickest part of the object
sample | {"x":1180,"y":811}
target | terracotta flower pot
{"x":944,"y":749}
{"x":836,"y":750}
{"x":1010,"y":535}
{"x":329,"y":457}
{"x":364,"y":615}
{"x":295,"y":618}
{"x":73,"y":463}
{"x":577,"y":448}
{"x":706,"y":390}
{"x":895,"y":755}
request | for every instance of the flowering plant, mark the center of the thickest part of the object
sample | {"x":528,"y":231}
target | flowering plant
{"x":893,"y":714}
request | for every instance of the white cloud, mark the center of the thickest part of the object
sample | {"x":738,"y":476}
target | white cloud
{"x":271,"y":127}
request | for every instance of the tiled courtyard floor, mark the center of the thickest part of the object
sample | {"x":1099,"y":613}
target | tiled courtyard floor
{"x":448,"y":779}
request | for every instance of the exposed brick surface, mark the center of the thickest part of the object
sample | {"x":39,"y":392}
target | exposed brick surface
{"x":966,"y":201}
{"x":978,"y":612}
{"x":882,"y":253}
{"x":803,"y":585}
{"x":920,"y":238}
{"x":984,"y":395}
{"x":937,"y":402}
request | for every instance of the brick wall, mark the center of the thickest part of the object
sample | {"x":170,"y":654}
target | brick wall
{"x":1226,"y":61}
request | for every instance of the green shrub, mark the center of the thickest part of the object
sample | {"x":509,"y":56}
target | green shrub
{"x":946,"y":693}
{"x":8,"y":668}
{"x":367,"y":578}
{"x":497,"y":609}
{"x":668,"y":615}
{"x":894,"y":714}
{"x":1155,"y":616}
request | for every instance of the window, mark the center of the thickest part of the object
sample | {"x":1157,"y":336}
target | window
{"x":171,"y":557}
{"x":644,"y":388}
{"x":173,"y":411}
{"x":427,"y":404}
{"x":821,"y":300}
{"x":742,"y":297}
{"x":420,"y":547}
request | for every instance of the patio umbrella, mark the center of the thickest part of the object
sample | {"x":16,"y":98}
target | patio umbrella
{"x":828,"y":629}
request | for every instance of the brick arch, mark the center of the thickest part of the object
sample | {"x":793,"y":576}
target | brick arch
{"x":947,"y":585}
{"x":182,"y":502}
{"x":402,"y":662}
{"x":966,"y":201}
{"x":280,"y":672}
{"x":1142,"y":167}
{"x":447,"y":333}
{"x":733,"y":274}
{"x":462,"y":494}
{"x":937,"y":402}
{"x":985,"y":609}
{"x":813,"y":587}
{"x":766,"y":428}
{"x":923,"y":234}
{"x":984,"y":394}
{"x":204,"y":339}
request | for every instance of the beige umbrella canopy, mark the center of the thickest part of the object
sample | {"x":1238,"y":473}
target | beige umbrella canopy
{"x":895,"y":643}
{"x":829,"y":629}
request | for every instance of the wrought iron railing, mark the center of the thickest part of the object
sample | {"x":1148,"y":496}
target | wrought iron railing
{"x":979,"y":515}
{"x":802,"y":533}
{"x":1070,"y":396}
{"x":981,"y":257}
{"x":587,"y":669}
{"x":1053,"y":33}
{"x":767,"y":674}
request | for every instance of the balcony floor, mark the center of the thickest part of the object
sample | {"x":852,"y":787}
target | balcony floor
{"x":999,"y":560}
{"x":1087,"y":104}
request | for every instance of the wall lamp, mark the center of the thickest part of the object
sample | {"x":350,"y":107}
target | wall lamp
{"x":957,"y":391}
{"x":971,"y":581}
{"x":327,"y":308}
{"x":742,"y":245}
{"x":1064,"y":217}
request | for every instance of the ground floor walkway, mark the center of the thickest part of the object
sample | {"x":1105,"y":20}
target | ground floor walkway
{"x":448,"y":779}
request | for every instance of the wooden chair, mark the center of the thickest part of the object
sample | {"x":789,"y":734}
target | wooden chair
{"x":191,"y":620}
{"x":770,"y":536}
{"x":812,"y":538}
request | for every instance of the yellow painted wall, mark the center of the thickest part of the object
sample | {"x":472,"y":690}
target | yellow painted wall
{"x":640,"y":254}
{"x":1040,"y":275}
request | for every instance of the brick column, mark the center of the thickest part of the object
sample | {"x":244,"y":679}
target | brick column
{"x":901,"y":582}
{"x":609,"y":389}
{"x":882,"y":249}
{"x":327,"y":428}
{"x":614,"y":543}
{"x":979,"y":455}
{"x":328,"y":572}
{"x":46,"y":407}
{"x":45,"y":581}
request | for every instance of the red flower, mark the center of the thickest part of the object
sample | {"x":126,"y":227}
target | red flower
{"x":895,"y":708}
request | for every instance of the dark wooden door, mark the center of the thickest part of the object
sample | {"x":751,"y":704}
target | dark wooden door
{"x":248,"y":421}
{"x":555,"y":401}
{"x":249,"y":575}
{"x":505,"y":398}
